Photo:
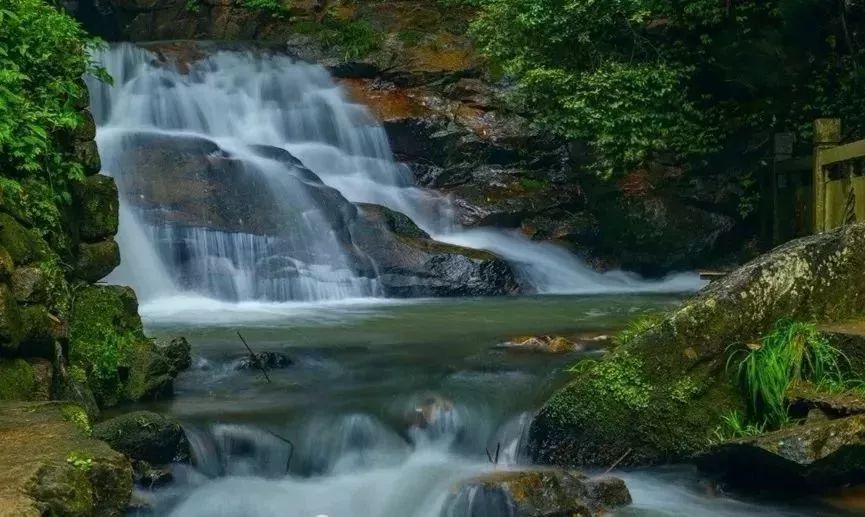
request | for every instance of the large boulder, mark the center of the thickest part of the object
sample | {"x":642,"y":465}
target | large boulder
{"x":50,"y":466}
{"x":817,"y":455}
{"x":538,"y":493}
{"x":98,"y":206}
{"x":660,"y":396}
{"x":146,"y":436}
{"x":110,"y":352}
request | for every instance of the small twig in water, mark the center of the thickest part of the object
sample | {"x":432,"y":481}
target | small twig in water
{"x":494,"y":461}
{"x":290,"y":453}
{"x":255,"y":359}
{"x":618,"y":461}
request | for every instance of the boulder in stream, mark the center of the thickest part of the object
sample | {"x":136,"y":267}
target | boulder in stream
{"x":145,"y":436}
{"x":538,"y":493}
{"x":816,"y":455}
{"x":268,"y":360}
{"x":659,"y":396}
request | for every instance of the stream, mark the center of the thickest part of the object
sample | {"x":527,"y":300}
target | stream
{"x":349,"y":402}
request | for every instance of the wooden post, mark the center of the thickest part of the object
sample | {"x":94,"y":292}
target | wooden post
{"x":827,"y":134}
{"x":783,"y":150}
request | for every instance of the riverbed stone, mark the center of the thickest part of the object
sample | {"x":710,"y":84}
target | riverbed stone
{"x":540,"y":344}
{"x":266,"y":360}
{"x":659,"y":397}
{"x":49,"y":466}
{"x":146,"y":436}
{"x":536,"y":493}
{"x":813,"y":456}
{"x":177,"y":352}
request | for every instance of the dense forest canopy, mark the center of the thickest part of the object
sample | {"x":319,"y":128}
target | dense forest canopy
{"x":694,"y":83}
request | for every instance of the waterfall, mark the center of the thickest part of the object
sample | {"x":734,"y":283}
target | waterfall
{"x":268,"y":130}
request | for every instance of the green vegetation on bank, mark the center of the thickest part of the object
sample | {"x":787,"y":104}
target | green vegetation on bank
{"x":696,"y":85}
{"x":43,"y":54}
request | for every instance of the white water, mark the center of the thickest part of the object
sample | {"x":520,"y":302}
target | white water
{"x":240,"y":99}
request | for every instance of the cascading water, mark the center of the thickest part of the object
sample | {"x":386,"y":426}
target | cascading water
{"x":230,"y":104}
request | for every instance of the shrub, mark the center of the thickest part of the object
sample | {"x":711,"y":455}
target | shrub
{"x":43,"y":54}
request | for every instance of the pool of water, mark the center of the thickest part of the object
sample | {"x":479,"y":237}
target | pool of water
{"x":386,"y":407}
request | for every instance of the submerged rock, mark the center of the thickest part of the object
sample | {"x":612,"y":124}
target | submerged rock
{"x":542,"y":344}
{"x":813,"y":456}
{"x":145,"y":436}
{"x":268,"y":360}
{"x":177,"y":351}
{"x":538,"y":493}
{"x":49,"y":466}
{"x":660,"y":396}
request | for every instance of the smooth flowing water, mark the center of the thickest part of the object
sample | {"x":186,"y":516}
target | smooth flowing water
{"x":237,"y":101}
{"x":390,"y":406}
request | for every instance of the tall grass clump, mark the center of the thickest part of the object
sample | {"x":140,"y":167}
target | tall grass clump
{"x":792,"y":352}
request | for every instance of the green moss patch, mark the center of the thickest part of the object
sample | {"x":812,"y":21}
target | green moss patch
{"x":17,"y":380}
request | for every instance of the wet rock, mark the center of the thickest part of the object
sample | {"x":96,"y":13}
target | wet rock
{"x":430,"y":412}
{"x":269,"y":360}
{"x":660,"y":395}
{"x":145,"y":436}
{"x":177,"y":351}
{"x":149,"y":476}
{"x":98,"y":207}
{"x":813,"y":456}
{"x":805,"y":398}
{"x":409,"y":266}
{"x":49,"y":466}
{"x":97,"y":260}
{"x":539,"y":493}
{"x":542,"y":344}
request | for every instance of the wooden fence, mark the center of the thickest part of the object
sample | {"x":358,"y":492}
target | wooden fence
{"x":816,"y":193}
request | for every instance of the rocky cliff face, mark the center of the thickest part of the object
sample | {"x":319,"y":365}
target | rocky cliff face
{"x":61,"y":336}
{"x":445,"y":114}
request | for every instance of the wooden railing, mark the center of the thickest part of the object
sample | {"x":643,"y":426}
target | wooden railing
{"x":816,"y":193}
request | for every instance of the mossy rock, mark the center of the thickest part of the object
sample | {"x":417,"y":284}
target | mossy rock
{"x":97,"y":260}
{"x":661,"y":395}
{"x":49,"y":466}
{"x":98,"y":204}
{"x":145,"y":436}
{"x":41,"y":330}
{"x":107,"y":344}
{"x":17,"y":380}
{"x":30,"y":285}
{"x":104,"y":332}
{"x":87,"y":155}
{"x":23,"y":245}
{"x":11,"y":326}
{"x":7,"y":266}
{"x":397,"y":222}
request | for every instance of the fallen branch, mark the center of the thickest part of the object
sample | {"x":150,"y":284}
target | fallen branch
{"x":627,"y":452}
{"x":291,"y":452}
{"x":255,"y":360}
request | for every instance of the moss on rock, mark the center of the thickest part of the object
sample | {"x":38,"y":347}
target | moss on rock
{"x":96,"y":260}
{"x":661,"y":394}
{"x":11,"y":328}
{"x":17,"y":380}
{"x":98,"y":208}
{"x":22,"y":244}
{"x":49,"y":467}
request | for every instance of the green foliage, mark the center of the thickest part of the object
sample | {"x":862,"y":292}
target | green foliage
{"x":76,"y":414}
{"x":274,"y":6}
{"x":697,"y":84}
{"x":636,"y":327}
{"x":17,"y":380}
{"x":80,"y":460}
{"x":791,"y":353}
{"x":192,"y":6}
{"x":353,"y":38}
{"x":43,"y":54}
{"x":735,"y":425}
{"x":531,"y":184}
